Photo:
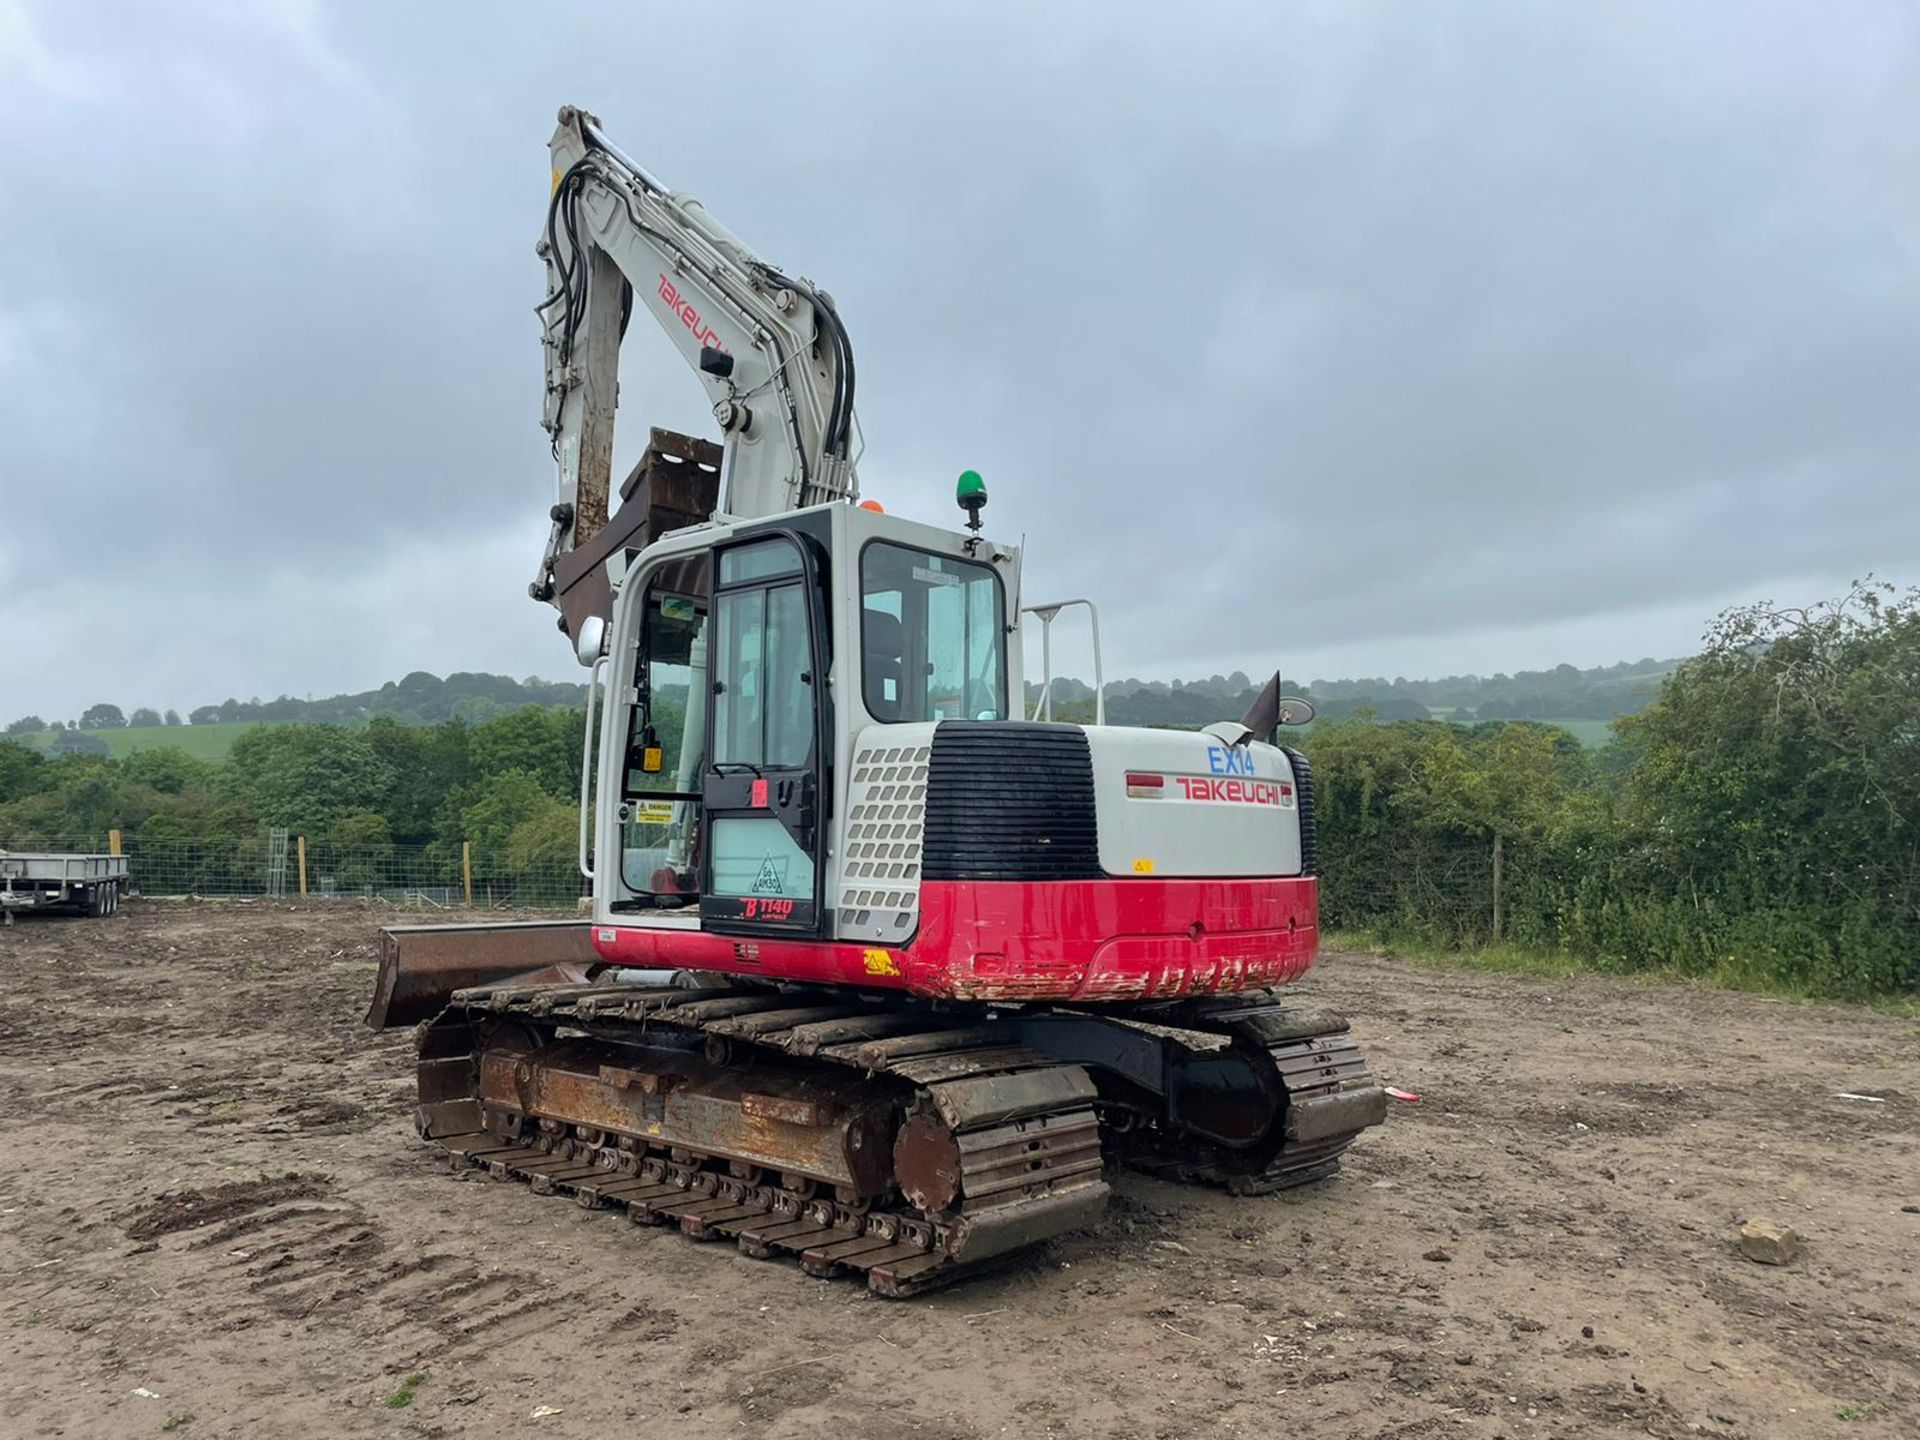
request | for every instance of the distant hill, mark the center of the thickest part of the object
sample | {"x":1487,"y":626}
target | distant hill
{"x":1583,"y":700}
{"x":209,"y":731}
{"x":1563,"y":694}
{"x":418,"y":699}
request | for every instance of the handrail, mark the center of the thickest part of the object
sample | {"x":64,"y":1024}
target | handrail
{"x":586,"y":766}
{"x":1043,"y":707}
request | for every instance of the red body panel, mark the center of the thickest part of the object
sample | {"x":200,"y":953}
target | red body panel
{"x":1085,"y":940}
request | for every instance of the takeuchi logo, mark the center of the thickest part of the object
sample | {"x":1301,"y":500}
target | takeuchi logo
{"x":1235,"y":791}
{"x":703,"y":333}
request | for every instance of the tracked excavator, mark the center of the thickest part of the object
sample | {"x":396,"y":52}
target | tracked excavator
{"x":881,"y":973}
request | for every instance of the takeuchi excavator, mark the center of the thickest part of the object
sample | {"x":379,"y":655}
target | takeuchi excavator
{"x":881,"y":973}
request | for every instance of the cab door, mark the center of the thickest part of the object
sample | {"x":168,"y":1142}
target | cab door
{"x":765,"y":777}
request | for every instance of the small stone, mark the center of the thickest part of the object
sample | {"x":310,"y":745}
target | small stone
{"x":1463,"y":1358}
{"x":1768,"y":1242}
{"x":1586,"y":1332}
{"x":1438,"y":1255}
{"x":1910,"y":1209}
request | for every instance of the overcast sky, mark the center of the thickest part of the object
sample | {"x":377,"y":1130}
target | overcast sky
{"x":1349,"y":339}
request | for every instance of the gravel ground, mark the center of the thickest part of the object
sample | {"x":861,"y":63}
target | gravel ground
{"x":212,"y":1205}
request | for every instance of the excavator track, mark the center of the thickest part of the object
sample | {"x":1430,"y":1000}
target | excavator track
{"x":997,"y":1146}
{"x":1331,"y":1097}
{"x":766,"y":1116}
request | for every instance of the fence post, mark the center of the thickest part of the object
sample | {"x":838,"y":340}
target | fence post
{"x":300,"y":850}
{"x":466,"y":870}
{"x":1497,"y":867}
{"x":113,"y":842}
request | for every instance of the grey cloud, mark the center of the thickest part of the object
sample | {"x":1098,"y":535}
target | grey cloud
{"x":1337,"y":328}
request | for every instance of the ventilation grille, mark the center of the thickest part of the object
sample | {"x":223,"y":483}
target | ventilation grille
{"x":880,"y":872}
{"x":1011,"y":800}
{"x":1309,"y":830}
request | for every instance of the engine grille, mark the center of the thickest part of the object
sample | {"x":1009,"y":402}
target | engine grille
{"x":1010,"y":800}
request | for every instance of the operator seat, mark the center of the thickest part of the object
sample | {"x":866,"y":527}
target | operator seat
{"x":883,"y":651}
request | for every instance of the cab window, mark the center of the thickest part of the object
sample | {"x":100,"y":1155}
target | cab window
{"x":933,"y":636}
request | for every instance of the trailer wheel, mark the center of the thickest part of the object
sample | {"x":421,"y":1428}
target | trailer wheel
{"x":96,"y":902}
{"x":113,"y":897}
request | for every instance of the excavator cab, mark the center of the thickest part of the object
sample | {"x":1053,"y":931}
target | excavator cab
{"x":747,"y":664}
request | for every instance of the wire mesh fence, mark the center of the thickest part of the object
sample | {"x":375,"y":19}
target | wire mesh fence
{"x":256,"y":866}
{"x":1449,"y":902}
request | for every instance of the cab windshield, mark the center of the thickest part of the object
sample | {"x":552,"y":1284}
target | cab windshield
{"x":933,"y":633}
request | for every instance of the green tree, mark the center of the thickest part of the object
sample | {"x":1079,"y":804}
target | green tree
{"x":362,"y":830}
{"x":168,"y":770}
{"x":77,"y":742}
{"x":357,"y":852}
{"x":427,"y":763}
{"x":486,"y":813}
{"x":26,"y":725}
{"x":1408,"y":814}
{"x":74,"y":801}
{"x":547,"y":844}
{"x":540,"y":742}
{"x":145,"y":715}
{"x":21,"y":771}
{"x":543,"y":856}
{"x":1777,"y":787}
{"x":306,"y":776}
{"x":102,"y":717}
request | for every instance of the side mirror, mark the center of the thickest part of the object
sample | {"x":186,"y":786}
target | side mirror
{"x":1295,"y":711}
{"x":591,"y":643}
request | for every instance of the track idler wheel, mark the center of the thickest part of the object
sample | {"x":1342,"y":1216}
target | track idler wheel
{"x":926,"y":1162}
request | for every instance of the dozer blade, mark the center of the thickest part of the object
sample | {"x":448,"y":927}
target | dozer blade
{"x":422,"y":965}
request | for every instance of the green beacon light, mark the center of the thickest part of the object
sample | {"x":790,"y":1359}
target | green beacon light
{"x":971,"y":493}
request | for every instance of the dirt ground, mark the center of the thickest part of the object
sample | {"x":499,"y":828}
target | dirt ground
{"x":212,"y":1205}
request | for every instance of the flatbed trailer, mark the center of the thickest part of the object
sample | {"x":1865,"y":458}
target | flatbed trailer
{"x":45,"y":880}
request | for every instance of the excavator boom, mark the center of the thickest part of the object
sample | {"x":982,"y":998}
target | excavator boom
{"x":769,"y":349}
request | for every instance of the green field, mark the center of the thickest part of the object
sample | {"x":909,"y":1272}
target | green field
{"x":1590,"y":733}
{"x":203,"y":742}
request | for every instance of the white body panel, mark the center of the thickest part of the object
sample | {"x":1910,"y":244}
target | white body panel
{"x":1219,"y":810}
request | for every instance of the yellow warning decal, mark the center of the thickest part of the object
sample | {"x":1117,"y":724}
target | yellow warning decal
{"x":652,"y":812}
{"x":881,"y":962}
{"x":650,"y":759}
{"x":556,"y":182}
{"x":1143,"y":867}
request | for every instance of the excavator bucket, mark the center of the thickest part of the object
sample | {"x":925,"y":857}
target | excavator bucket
{"x":422,"y":965}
